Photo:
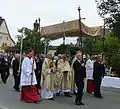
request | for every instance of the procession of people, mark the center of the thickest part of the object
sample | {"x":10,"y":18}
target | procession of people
{"x":43,"y":77}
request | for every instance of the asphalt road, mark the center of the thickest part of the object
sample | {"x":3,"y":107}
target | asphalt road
{"x":10,"y":99}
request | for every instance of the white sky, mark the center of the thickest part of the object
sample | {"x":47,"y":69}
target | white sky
{"x":23,"y":13}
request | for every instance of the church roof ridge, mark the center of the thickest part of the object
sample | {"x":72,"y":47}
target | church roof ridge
{"x":1,"y":20}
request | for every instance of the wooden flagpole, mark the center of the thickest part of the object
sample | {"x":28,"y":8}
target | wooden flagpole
{"x":32,"y":71}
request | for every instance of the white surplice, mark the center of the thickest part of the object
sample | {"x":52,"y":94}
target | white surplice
{"x":26,"y":71}
{"x":89,"y":69}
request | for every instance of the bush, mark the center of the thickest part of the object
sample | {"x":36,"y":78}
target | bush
{"x":115,"y":63}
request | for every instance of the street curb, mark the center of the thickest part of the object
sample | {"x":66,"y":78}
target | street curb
{"x":117,"y":90}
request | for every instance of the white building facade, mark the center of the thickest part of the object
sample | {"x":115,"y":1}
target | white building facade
{"x":5,"y":38}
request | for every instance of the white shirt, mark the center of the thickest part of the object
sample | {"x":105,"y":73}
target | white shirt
{"x":26,"y":71}
{"x":89,"y":69}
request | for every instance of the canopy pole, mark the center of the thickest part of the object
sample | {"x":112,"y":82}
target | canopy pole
{"x":21,"y":49}
{"x":64,"y":39}
{"x":45,"y":47}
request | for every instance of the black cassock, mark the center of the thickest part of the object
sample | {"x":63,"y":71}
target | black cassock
{"x":98,"y":74}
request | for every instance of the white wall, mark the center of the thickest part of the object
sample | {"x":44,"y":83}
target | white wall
{"x":4,"y":35}
{"x":4,"y":40}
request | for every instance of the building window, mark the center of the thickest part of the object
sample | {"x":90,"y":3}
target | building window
{"x":0,"y":37}
{"x":7,"y":38}
{"x":4,"y":45}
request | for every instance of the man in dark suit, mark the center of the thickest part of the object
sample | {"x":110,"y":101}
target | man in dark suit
{"x":4,"y":68}
{"x":1,"y":63}
{"x":98,"y":74}
{"x":16,"y":72}
{"x":79,"y":78}
{"x":7,"y":67}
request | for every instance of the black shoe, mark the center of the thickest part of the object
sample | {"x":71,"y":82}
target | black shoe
{"x":18,"y":90}
{"x":4,"y":82}
{"x":67,"y":94}
{"x":37,"y":102}
{"x":79,"y":103}
{"x":82,"y":103}
{"x":51,"y":99}
{"x":58,"y":94}
{"x":98,"y":96}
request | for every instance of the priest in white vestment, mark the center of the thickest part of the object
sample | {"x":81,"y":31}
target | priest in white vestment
{"x":47,"y":78}
{"x":28,"y":79}
{"x":63,"y":77}
{"x":89,"y":74}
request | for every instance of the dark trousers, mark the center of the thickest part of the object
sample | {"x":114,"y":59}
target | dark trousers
{"x":38,"y":77}
{"x":5,"y":74}
{"x":80,"y":87}
{"x":39,"y":80}
{"x":97,"y":82}
{"x":16,"y":81}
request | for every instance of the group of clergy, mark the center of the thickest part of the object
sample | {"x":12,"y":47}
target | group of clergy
{"x":59,"y":77}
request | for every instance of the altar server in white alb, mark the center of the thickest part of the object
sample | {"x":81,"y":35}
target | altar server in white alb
{"x":28,"y":79}
{"x":89,"y":74}
{"x":47,"y":78}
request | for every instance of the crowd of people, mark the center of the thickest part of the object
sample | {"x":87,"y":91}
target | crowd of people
{"x":42,"y":77}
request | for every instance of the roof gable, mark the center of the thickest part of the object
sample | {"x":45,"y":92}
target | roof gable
{"x":4,"y":28}
{"x":1,"y":20}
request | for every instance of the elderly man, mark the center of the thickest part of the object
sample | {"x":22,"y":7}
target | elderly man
{"x":59,"y":58}
{"x":47,"y":78}
{"x":63,"y":77}
{"x":72,"y":70}
{"x":16,"y":72}
{"x":79,"y":78}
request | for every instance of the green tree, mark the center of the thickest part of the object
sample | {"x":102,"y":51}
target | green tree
{"x":110,"y":8}
{"x":92,"y":45}
{"x":66,"y":49}
{"x":115,"y":63}
{"x":28,"y":40}
{"x":111,"y":48}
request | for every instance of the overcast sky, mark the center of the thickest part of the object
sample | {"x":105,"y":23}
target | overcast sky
{"x":23,"y":13}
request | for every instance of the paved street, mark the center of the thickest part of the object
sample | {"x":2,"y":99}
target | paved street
{"x":10,"y":100}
